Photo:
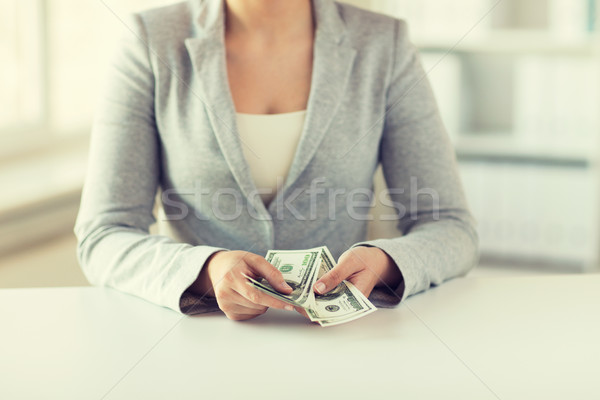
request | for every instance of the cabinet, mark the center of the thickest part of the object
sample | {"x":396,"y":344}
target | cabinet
{"x":518,"y":85}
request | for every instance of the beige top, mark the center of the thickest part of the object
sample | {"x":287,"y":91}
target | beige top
{"x":269,"y":143}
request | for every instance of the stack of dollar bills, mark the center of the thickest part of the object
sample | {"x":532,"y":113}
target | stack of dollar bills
{"x":301,"y":269}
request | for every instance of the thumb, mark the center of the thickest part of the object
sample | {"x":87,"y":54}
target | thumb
{"x":334,"y":277}
{"x":263,"y":268}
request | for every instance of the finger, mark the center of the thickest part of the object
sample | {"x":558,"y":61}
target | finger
{"x":242,"y":316}
{"x":240,"y":300}
{"x":334,"y":277}
{"x":302,"y":311}
{"x":237,"y":309}
{"x":230,"y":307}
{"x":364,"y":282}
{"x":257,"y":297}
{"x":263,"y":268}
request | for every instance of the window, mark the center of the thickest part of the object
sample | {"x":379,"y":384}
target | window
{"x":22,"y":97}
{"x":54,"y":55}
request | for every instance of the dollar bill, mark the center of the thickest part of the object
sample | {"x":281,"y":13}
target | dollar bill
{"x":344,"y":303}
{"x":301,"y":269}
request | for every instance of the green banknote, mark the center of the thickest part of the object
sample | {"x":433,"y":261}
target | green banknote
{"x":301,"y":269}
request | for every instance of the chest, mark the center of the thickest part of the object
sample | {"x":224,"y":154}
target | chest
{"x":270,"y":81}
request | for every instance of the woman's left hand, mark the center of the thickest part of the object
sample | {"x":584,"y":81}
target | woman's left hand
{"x":365,"y":267}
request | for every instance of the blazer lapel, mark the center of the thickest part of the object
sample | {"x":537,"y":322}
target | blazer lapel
{"x":332,"y":64}
{"x":207,"y":52}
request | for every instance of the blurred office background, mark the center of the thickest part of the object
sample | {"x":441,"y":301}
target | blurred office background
{"x":518,"y":84}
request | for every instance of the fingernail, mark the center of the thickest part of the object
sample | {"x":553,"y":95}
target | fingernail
{"x":320,"y":287}
{"x":287,"y":286}
{"x":289,"y":308}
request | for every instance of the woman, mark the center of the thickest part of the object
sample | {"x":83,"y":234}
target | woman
{"x":260,"y":121}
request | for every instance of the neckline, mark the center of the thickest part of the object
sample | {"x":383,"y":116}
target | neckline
{"x":286,"y":114}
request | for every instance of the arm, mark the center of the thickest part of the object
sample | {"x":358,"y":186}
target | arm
{"x":114,"y":246}
{"x":439,"y":239}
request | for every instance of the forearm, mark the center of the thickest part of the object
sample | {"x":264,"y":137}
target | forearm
{"x":152,"y":267}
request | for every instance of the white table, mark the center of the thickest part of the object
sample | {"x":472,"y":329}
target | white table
{"x":473,"y":338}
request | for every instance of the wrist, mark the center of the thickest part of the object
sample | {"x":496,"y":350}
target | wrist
{"x":390,"y":275}
{"x":203,"y":285}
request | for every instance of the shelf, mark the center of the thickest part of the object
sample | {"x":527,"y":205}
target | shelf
{"x":503,"y":148}
{"x":514,"y":41}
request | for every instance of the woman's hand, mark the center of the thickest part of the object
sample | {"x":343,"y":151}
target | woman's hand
{"x":365,"y":267}
{"x":223,"y":278}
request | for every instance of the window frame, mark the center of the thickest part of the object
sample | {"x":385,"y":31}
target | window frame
{"x":33,"y":134}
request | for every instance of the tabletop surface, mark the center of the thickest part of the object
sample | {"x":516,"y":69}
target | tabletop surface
{"x":471,"y":338}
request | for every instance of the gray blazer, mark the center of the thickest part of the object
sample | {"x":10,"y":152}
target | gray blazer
{"x":167,"y":123}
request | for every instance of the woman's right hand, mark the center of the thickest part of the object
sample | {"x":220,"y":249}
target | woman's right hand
{"x":223,"y":277}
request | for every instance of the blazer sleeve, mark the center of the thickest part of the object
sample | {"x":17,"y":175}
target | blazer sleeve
{"x":114,"y":247}
{"x":439,"y":240}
